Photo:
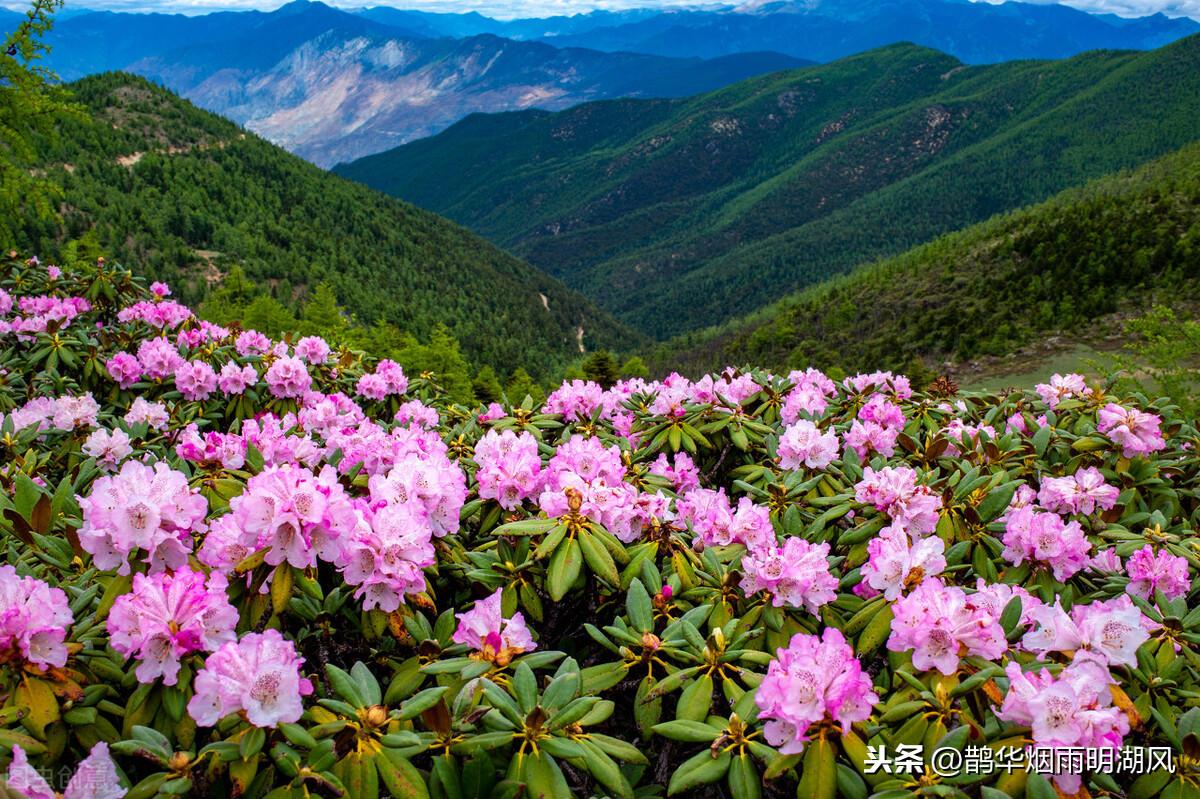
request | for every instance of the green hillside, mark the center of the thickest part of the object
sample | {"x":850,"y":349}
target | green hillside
{"x":186,"y":195}
{"x":675,"y":215}
{"x":1115,"y":245}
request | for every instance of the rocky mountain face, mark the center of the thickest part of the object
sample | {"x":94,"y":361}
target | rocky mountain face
{"x":332,"y":86}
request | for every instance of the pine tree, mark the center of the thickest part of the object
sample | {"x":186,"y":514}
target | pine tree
{"x":520,"y":385}
{"x":487,"y":386}
{"x":322,"y":316}
{"x":601,"y":367}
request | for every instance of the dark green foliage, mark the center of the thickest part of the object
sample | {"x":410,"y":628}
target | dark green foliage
{"x":29,"y":104}
{"x":1113,"y":245}
{"x":188,"y":196}
{"x":676,"y":215}
{"x":487,"y":386}
{"x":600,"y":367}
{"x":635,"y":367}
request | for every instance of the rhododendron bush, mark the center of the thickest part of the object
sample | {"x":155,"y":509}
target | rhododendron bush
{"x":239,"y":566}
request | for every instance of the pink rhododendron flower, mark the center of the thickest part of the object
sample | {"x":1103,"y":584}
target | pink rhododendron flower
{"x":493,"y":637}
{"x":251,"y":342}
{"x":288,"y":377}
{"x":1043,"y":538}
{"x":717,"y":524}
{"x":313,"y":349}
{"x":236,"y":379}
{"x":167,"y":616}
{"x":94,"y":778}
{"x":682,"y":472}
{"x":393,"y":376}
{"x":160,"y":289}
{"x":1110,"y":631}
{"x":158,"y":358}
{"x":1083,"y":492}
{"x":418,"y":413}
{"x":153,"y":414}
{"x":576,"y":400}
{"x":258,"y":675}
{"x":938,"y":625}
{"x":895,"y":492}
{"x":109,"y":448}
{"x":813,"y":680}
{"x":1062,"y":387}
{"x":33,"y":620}
{"x":195,"y":380}
{"x":297,"y":515}
{"x":510,"y":467}
{"x":1074,"y":709}
{"x":125,"y":369}
{"x":1107,"y":561}
{"x":1150,"y":571}
{"x":895,"y":566}
{"x":1136,"y":432}
{"x":433,"y":484}
{"x":493,"y":412}
{"x":371,"y":386}
{"x":804,"y":445}
{"x":794,"y":575}
{"x":141,"y":508}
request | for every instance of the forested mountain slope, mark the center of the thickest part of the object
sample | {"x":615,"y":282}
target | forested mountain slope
{"x":185,"y":194}
{"x":1120,"y":243}
{"x":679,"y":214}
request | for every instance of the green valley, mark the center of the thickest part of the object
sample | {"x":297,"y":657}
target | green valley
{"x":675,"y":215}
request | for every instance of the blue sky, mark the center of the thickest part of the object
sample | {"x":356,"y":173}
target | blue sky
{"x":508,"y":9}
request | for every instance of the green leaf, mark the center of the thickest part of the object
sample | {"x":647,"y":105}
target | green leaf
{"x":641,"y":611}
{"x":598,"y":559}
{"x":818,"y":774}
{"x":416,"y":704}
{"x":744,"y":781}
{"x":368,"y":686}
{"x":689,"y":731}
{"x":525,"y":687}
{"x":700,"y":769}
{"x":696,"y":699}
{"x":876,"y":632}
{"x":344,"y":686}
{"x":564,"y":569}
{"x":996,"y":502}
{"x":400,"y":777}
{"x":38,"y":697}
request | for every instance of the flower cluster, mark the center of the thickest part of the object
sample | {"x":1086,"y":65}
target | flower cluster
{"x":258,"y":675}
{"x":141,"y":508}
{"x":938,"y":624}
{"x":510,"y":467}
{"x":811,"y":681}
{"x":33,"y":620}
{"x":795,"y":574}
{"x":167,"y":616}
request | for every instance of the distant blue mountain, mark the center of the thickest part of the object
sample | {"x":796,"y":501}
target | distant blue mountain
{"x":824,"y":30}
{"x":334,"y":86}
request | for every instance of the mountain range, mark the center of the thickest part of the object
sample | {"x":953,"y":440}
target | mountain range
{"x":331,"y":86}
{"x":148,"y":178}
{"x":680,"y":214}
{"x":825,"y":30}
